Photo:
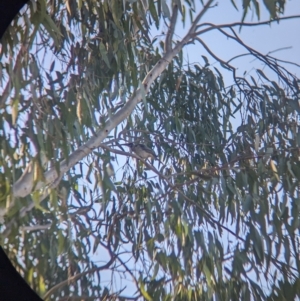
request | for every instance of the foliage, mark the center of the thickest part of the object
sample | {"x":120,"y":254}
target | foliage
{"x":216,"y":218}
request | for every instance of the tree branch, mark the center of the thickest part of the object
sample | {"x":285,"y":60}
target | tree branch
{"x":66,"y":282}
{"x":25,"y":184}
{"x":268,"y":60}
{"x":214,"y":56}
{"x":230,"y":25}
{"x":30,"y":206}
{"x":199,"y":16}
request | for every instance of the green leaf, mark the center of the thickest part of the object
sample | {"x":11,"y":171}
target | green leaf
{"x":104,"y":54}
{"x":205,"y":60}
{"x":271,"y":6}
{"x":258,"y":244}
{"x":165,"y":9}
{"x":294,"y":104}
{"x":233,"y":3}
{"x":153,"y":13}
{"x":287,"y":251}
{"x":52,"y":30}
{"x":257,"y":11}
{"x":261,"y":74}
{"x":15,"y":110}
{"x":248,"y":204}
{"x":144,"y":292}
{"x":246,"y":4}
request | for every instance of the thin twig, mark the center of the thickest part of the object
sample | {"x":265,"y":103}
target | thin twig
{"x":230,"y":25}
{"x":77,"y":276}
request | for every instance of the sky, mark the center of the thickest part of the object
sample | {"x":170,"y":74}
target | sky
{"x":266,"y":38}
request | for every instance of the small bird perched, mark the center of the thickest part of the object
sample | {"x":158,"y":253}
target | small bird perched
{"x":142,"y":150}
{"x":109,"y":169}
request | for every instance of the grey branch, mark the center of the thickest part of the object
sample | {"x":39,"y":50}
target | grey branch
{"x":25,"y":184}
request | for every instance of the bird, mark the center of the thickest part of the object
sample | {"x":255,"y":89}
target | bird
{"x":142,"y":150}
{"x":109,"y":169}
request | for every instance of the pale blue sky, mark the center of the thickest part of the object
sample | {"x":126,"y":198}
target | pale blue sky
{"x":264,"y":38}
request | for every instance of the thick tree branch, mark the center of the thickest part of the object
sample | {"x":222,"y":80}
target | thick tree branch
{"x":25,"y":184}
{"x":29,"y":207}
